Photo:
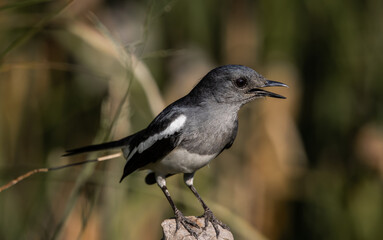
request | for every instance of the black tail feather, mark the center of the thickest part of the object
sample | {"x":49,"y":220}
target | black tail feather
{"x":97,"y":147}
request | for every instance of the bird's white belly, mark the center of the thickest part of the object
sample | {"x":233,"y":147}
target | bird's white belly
{"x":180,"y":161}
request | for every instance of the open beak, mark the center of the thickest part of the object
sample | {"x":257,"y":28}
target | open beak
{"x":263,"y":93}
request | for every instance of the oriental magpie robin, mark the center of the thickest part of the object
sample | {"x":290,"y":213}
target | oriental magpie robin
{"x":192,"y":131}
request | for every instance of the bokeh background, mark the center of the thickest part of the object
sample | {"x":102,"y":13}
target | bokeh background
{"x":79,"y":72}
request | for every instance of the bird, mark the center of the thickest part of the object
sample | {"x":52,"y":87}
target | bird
{"x":191,"y":132}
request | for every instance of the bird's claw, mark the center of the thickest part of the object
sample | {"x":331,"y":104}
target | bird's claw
{"x":181,"y":219}
{"x":209,"y":217}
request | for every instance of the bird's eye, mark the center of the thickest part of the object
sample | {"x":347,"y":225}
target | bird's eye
{"x":240,"y":82}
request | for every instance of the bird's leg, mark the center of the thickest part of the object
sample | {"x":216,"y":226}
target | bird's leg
{"x":180,"y":218}
{"x":208,"y":214}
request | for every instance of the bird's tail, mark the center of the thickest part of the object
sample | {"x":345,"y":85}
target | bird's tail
{"x":98,"y":147}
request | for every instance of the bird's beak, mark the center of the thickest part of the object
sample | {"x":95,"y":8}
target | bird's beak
{"x":269,"y":83}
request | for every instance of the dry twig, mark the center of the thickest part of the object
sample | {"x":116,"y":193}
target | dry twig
{"x":39,"y":170}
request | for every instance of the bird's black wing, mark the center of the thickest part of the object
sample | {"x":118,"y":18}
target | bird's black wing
{"x":155,"y":142}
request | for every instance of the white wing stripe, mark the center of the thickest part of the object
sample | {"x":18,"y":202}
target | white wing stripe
{"x":176,"y":125}
{"x":132,"y":153}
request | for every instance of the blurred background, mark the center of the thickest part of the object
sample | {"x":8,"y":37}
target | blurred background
{"x":79,"y":72}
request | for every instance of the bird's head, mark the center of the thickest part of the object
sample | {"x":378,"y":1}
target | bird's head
{"x":235,"y":84}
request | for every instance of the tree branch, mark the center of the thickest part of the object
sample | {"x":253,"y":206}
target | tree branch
{"x":39,"y":170}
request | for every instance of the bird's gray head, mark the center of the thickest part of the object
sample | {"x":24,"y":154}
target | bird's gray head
{"x":234,"y":84}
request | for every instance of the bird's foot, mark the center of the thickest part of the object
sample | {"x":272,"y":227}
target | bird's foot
{"x":181,"y":219}
{"x":209,"y":217}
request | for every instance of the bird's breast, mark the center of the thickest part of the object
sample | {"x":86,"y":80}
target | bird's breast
{"x":180,"y":161}
{"x":210,"y":134}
